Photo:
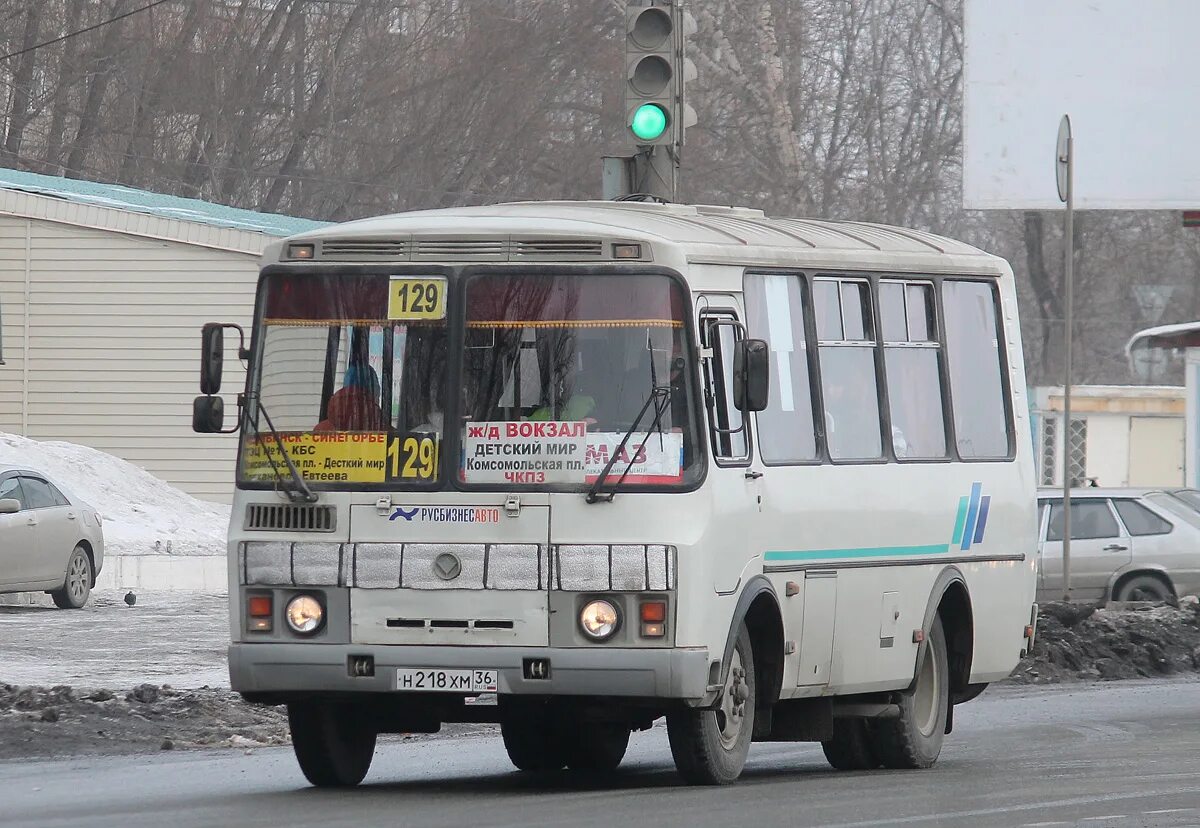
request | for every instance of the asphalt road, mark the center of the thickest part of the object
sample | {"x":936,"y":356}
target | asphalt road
{"x":1101,"y":755}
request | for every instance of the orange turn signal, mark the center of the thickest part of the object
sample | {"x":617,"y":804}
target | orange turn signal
{"x":258,"y":606}
{"x":654,"y":612}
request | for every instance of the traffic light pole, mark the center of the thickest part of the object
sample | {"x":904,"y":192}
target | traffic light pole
{"x":655,"y":173}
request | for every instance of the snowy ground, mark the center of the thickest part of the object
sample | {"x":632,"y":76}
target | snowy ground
{"x":176,"y":638}
{"x":142,"y":514}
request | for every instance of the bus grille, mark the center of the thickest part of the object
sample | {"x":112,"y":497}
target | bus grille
{"x":488,"y":249}
{"x":290,"y":517}
{"x":558,"y":249}
{"x":365,"y":250}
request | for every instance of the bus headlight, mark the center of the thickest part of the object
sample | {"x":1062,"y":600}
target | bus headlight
{"x":304,"y":614}
{"x":599,"y":620}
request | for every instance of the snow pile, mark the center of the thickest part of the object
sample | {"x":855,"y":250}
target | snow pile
{"x":142,"y":514}
{"x":1090,"y":643}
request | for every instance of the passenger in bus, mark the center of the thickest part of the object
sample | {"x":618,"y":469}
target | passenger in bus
{"x":577,"y":407}
{"x":355,"y":406}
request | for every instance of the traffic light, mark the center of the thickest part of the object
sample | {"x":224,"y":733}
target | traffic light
{"x":656,"y":72}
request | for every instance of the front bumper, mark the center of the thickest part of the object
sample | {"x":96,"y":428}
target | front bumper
{"x":676,"y":673}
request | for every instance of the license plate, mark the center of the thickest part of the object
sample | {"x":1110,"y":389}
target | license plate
{"x":421,"y":680}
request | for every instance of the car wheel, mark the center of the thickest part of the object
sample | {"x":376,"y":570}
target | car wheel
{"x":77,"y":584}
{"x":1145,"y":588}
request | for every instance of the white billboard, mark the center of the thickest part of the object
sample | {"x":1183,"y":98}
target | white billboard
{"x":1126,"y":71}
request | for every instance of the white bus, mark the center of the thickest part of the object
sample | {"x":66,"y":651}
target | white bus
{"x":770,"y":479}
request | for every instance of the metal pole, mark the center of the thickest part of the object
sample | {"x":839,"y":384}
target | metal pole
{"x":1069,"y":279}
{"x":655,"y":172}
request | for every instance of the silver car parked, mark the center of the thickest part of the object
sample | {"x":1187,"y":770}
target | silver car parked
{"x":48,"y":541}
{"x":1126,"y":544}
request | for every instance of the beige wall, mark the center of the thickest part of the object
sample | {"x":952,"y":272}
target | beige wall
{"x":113,"y":344}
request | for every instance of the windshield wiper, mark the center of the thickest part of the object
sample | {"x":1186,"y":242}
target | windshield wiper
{"x":299,"y":489}
{"x":660,"y":397}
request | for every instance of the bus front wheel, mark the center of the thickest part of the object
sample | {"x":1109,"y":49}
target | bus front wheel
{"x":914,"y":739}
{"x":710,"y":746}
{"x":333,"y":744}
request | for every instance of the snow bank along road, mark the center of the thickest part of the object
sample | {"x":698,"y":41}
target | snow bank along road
{"x":1118,"y":754}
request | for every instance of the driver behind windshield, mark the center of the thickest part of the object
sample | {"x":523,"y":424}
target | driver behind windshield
{"x":355,"y":406}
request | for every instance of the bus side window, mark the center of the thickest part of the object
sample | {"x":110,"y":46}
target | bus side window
{"x":720,"y":332}
{"x":846,"y":353}
{"x":912,"y":362}
{"x":977,"y":392}
{"x":775,"y":307}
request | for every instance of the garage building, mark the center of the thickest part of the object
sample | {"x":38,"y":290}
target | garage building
{"x":103,"y":290}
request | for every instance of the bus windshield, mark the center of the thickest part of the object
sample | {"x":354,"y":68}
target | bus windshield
{"x":557,"y":368}
{"x":351,"y":372}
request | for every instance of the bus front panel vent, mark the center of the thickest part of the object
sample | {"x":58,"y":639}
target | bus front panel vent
{"x":290,"y":517}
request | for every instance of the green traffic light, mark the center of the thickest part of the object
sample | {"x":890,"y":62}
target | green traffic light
{"x":649,"y":122}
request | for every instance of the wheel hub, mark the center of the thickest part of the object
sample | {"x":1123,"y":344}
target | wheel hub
{"x":732,"y":713}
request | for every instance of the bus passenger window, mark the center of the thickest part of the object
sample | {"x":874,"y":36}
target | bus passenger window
{"x":976,"y":383}
{"x":846,"y":349}
{"x":912,"y":365}
{"x":726,"y":425}
{"x":775,"y":312}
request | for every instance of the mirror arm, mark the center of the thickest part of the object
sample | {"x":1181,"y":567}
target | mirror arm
{"x":241,"y":412}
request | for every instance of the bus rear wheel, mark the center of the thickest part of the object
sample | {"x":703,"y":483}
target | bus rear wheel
{"x":850,"y":748}
{"x":333,"y":744}
{"x":710,"y":746}
{"x":914,"y":739}
{"x":597,"y":746}
{"x":531,"y":734}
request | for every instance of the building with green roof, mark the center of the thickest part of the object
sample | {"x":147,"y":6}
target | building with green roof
{"x":103,"y":289}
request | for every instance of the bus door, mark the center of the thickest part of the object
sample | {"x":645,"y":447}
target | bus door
{"x":733,"y":480}
{"x":801,"y":505}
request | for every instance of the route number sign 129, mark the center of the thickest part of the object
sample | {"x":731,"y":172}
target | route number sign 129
{"x":412,"y":456}
{"x":419,"y":297}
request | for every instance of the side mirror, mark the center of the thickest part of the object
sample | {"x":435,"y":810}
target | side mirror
{"x":212,"y":357}
{"x":751,"y":375}
{"x":9,"y":506}
{"x":208,"y":415}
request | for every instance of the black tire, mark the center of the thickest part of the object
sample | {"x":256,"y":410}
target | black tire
{"x":710,"y":746}
{"x":1145,"y":588}
{"x":531,"y":735}
{"x":333,"y":743}
{"x":914,"y":740}
{"x":597,"y":746}
{"x":851,"y":746}
{"x":77,"y":583}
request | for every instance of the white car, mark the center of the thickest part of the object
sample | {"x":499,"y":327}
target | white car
{"x":48,"y":541}
{"x":1126,"y":544}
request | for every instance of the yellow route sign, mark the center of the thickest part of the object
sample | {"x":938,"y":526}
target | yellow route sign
{"x":416,"y":297}
{"x":344,"y":457}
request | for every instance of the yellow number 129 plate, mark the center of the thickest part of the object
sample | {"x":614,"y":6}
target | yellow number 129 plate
{"x":417,"y":297}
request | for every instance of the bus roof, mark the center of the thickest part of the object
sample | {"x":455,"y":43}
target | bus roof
{"x":580,"y":230}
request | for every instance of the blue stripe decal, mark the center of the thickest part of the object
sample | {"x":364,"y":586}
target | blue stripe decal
{"x":982,"y":522}
{"x":862,"y":552}
{"x":972,"y":515}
